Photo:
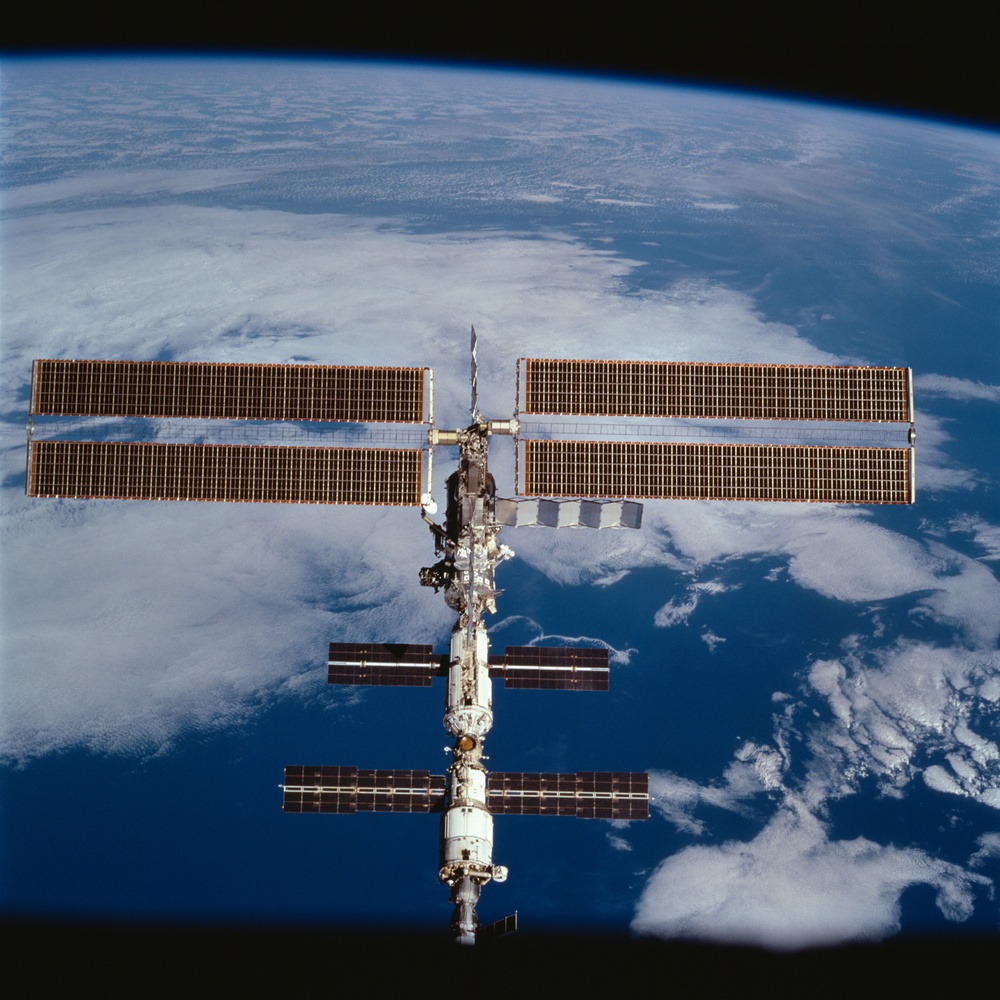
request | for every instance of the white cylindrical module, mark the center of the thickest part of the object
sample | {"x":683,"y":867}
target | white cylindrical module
{"x":468,"y":781}
{"x":467,"y":838}
{"x":469,"y":708}
{"x":467,"y":825}
{"x":503,"y":426}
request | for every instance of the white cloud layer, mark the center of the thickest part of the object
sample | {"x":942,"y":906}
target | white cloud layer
{"x":892,"y":707}
{"x":129,"y":625}
{"x":956,"y":388}
{"x":678,"y":610}
{"x":217,"y":284}
{"x":262,"y":589}
{"x":794,"y":887}
{"x":985,"y":535}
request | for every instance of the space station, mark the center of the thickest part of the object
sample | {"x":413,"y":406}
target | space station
{"x":592,"y":438}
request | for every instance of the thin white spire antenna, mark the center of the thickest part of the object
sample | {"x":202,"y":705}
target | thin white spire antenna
{"x":477,"y":417}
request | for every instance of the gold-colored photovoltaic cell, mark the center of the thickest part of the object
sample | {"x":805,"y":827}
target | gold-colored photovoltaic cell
{"x":726,"y":391}
{"x":243,"y":392}
{"x":253,"y":473}
{"x":685,"y":471}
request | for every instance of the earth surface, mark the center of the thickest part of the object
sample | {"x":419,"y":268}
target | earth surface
{"x":814,"y":689}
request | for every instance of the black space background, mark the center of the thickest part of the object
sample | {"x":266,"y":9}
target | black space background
{"x":939,"y":61}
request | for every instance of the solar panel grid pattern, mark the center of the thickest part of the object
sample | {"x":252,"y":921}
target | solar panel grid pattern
{"x":725,"y":391}
{"x":244,"y":392}
{"x":497,"y":929}
{"x":252,"y":473}
{"x":332,"y":789}
{"x":690,"y":471}
{"x":585,"y":795}
{"x":380,"y":664}
{"x":551,"y":668}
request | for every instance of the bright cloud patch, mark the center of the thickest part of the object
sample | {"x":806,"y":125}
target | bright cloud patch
{"x":956,"y":388}
{"x":711,"y":639}
{"x":792,"y":887}
{"x":678,"y":610}
{"x":755,"y":768}
{"x":619,"y":843}
{"x":986,"y":535}
{"x":171,"y":617}
{"x":675,"y":612}
{"x":913,"y":699}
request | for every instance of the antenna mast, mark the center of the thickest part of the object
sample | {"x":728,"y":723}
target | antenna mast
{"x":477,"y":417}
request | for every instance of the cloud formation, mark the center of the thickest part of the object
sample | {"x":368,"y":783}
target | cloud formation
{"x":678,"y":610}
{"x":792,"y":886}
{"x":956,"y":388}
{"x":894,"y":708}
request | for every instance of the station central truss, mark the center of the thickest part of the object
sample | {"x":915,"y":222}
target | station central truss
{"x":95,"y":433}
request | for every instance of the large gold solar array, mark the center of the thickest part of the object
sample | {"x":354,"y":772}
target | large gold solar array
{"x":136,"y":470}
{"x":242,"y":392}
{"x":682,"y":389}
{"x":719,"y":471}
{"x":113,"y":470}
{"x":683,"y":471}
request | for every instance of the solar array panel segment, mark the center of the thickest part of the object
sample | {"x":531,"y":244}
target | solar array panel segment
{"x":499,"y":928}
{"x":712,"y":390}
{"x":236,"y":391}
{"x":551,"y":668}
{"x":613,"y":795}
{"x":328,"y":789}
{"x":252,"y":473}
{"x":520,"y":793}
{"x":380,"y":664}
{"x":350,"y":789}
{"x":585,"y":795}
{"x":690,"y":471}
{"x":398,"y":791}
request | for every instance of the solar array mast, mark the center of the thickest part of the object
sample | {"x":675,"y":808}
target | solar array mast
{"x":573,"y":470}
